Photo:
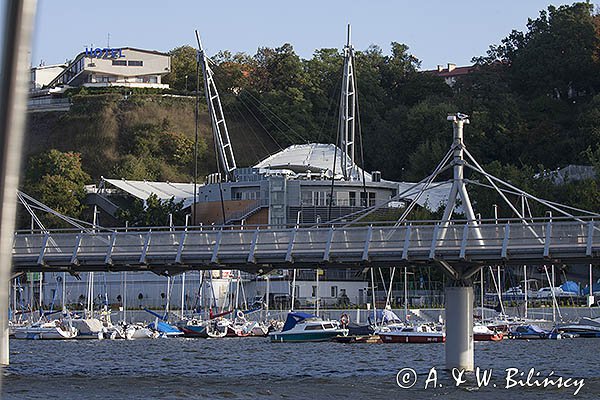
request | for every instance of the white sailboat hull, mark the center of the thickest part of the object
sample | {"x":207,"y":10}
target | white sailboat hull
{"x":45,"y":332}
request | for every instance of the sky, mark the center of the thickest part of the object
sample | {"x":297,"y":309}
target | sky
{"x":437,"y":32}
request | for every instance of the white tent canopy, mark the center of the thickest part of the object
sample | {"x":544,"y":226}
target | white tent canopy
{"x":433,"y":198}
{"x":163,"y":190}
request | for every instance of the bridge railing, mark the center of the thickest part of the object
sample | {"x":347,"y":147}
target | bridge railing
{"x":411,"y":242}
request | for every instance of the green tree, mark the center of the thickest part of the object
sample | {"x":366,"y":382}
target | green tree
{"x":57,"y":180}
{"x":183,"y":69}
{"x":557,"y":55}
{"x":152,"y":212}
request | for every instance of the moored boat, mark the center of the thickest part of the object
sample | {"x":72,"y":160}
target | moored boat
{"x":217,"y":328}
{"x":164,"y":328}
{"x":52,"y":330}
{"x":585,"y":327}
{"x":91,"y":328}
{"x":193,"y":327}
{"x":161,"y":325}
{"x":303,"y":327}
{"x":138,"y":331}
{"x":528,"y":331}
{"x":410,"y":334}
{"x":482,"y":333}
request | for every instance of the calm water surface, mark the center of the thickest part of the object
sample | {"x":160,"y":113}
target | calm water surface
{"x":254,"y":368}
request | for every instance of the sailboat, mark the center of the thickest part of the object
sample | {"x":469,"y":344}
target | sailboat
{"x":161,"y":325}
{"x":393,"y":330}
{"x":47,"y":329}
{"x":56,"y":329}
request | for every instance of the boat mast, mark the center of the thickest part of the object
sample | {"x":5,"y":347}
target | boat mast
{"x":293,"y":290}
{"x":405,"y":294}
{"x":237,"y":291}
{"x":317,"y":293}
{"x":555,"y":307}
{"x":591,"y":291}
{"x":182,"y":295}
{"x":168,"y":304}
{"x":125,"y":296}
{"x":553,"y":296}
{"x":217,"y":118}
{"x":348,"y":113}
{"x":373,"y":293}
{"x":267,"y":302}
{"x":526,"y":289}
{"x":90,"y":299}
{"x":482,"y":296}
{"x":388,"y":301}
{"x":41,"y":291}
{"x":64,"y":290}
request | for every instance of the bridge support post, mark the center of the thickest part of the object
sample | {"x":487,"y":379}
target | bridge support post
{"x":4,"y":346}
{"x":459,"y":328}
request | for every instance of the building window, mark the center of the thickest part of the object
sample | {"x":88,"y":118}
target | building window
{"x":307,"y":198}
{"x":249,"y":195}
{"x":119,"y":62}
{"x":329,"y":199}
{"x":352,"y":199}
{"x":334,"y":291}
{"x":314,"y":291}
{"x":363,"y":200}
{"x":371,"y":199}
{"x":135,"y":63}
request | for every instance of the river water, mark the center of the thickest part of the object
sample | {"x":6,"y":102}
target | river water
{"x":254,"y":368}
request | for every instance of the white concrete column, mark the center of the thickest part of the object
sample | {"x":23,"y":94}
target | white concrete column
{"x":4,"y":345}
{"x":459,"y":328}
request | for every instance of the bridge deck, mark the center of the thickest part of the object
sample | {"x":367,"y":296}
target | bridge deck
{"x":567,"y":241}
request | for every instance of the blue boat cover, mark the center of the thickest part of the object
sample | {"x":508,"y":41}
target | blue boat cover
{"x":164,"y":327}
{"x":571,"y":287}
{"x":586,"y":290}
{"x":293,"y":318}
{"x":535,"y":329}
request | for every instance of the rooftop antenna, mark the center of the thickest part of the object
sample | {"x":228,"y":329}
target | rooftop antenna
{"x":108,"y":39}
{"x":348,"y":112}
{"x":219,"y":126}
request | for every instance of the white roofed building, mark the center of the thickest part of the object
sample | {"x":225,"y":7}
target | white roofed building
{"x":125,"y":66}
{"x":293,"y":185}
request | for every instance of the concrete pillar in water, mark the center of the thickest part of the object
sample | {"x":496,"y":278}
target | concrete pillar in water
{"x":459,"y":328}
{"x":4,"y":346}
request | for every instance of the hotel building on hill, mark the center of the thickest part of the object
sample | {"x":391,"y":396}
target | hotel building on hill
{"x":125,"y":66}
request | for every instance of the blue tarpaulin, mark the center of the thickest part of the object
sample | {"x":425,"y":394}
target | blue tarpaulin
{"x":571,"y":287}
{"x":595,"y":289}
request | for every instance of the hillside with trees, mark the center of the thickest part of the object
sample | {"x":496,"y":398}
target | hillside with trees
{"x":534,"y":102}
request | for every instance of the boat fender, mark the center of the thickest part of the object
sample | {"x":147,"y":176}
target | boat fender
{"x":344,"y":320}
